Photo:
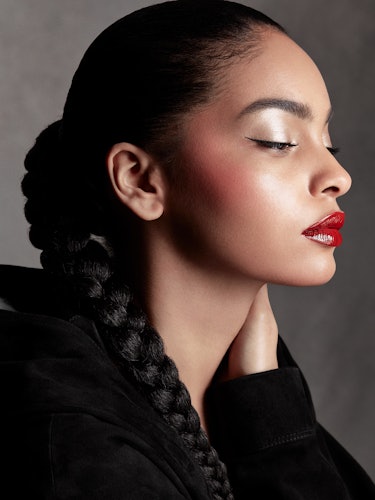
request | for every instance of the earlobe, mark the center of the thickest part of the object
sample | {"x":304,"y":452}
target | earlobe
{"x":137,"y":180}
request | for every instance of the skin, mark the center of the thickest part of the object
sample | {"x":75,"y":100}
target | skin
{"x":235,"y":220}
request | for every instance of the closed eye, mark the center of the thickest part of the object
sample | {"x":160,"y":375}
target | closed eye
{"x":283,"y":146}
{"x":279,"y":146}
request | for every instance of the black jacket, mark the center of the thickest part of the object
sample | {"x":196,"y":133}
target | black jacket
{"x":72,"y":427}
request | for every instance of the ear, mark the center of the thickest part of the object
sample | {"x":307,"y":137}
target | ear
{"x":137,"y":180}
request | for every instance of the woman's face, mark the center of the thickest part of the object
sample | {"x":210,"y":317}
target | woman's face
{"x":256,"y":171}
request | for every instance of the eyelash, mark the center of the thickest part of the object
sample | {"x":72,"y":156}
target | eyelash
{"x":333,"y":150}
{"x":284,"y":146}
{"x":279,"y":146}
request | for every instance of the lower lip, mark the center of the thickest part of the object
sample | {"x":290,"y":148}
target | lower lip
{"x":326,"y":236}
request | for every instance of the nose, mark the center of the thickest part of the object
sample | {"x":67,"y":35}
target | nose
{"x":331,"y":178}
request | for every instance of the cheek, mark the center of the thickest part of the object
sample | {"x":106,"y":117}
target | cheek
{"x":244,"y":195}
{"x":212,"y":204}
{"x":217,"y":181}
{"x":228,"y":206}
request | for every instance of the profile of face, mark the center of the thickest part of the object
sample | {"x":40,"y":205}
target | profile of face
{"x":256,"y":169}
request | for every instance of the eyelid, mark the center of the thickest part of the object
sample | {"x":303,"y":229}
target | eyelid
{"x":276,"y":145}
{"x":282,"y":145}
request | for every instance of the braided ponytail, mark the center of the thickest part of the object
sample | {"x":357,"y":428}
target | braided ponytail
{"x":69,"y":201}
{"x":89,"y":275}
{"x":87,"y":267}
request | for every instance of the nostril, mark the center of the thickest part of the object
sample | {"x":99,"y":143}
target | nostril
{"x":331,"y":189}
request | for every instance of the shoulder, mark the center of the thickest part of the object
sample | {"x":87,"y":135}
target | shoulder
{"x":84,"y":430}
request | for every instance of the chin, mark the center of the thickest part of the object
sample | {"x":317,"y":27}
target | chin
{"x":317,"y":280}
{"x":318,"y":277}
{"x":312,"y":275}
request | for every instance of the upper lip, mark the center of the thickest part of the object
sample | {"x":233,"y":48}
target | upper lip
{"x":334,"y":220}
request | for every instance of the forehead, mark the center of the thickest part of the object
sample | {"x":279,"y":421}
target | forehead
{"x":280,"y":72}
{"x":281,"y":69}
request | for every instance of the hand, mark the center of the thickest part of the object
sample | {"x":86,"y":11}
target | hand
{"x":254,"y":348}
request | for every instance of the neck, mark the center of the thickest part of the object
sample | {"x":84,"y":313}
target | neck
{"x":198,"y":313}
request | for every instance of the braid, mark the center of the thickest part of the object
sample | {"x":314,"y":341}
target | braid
{"x":92,"y":282}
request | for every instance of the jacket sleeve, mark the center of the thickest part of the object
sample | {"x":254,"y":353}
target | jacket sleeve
{"x":73,"y":456}
{"x":267,"y":435}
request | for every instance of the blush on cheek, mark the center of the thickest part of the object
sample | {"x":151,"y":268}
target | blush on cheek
{"x":216,"y":180}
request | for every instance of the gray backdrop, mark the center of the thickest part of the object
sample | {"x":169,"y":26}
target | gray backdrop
{"x":330,"y":329}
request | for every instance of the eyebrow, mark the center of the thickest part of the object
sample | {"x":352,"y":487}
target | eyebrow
{"x":298,"y":109}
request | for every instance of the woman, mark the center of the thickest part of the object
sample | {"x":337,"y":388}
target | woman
{"x":192,"y":166}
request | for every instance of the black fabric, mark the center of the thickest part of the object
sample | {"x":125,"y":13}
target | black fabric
{"x":72,"y":427}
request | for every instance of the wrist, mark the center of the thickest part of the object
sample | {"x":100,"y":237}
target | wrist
{"x":237,"y":369}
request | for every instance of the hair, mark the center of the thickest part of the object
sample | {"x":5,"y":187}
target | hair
{"x":136,"y":83}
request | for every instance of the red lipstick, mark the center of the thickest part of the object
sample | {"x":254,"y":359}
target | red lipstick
{"x":326,"y":231}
